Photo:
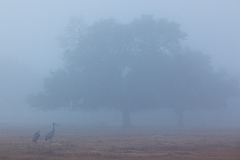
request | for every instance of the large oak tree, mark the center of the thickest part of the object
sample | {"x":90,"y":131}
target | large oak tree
{"x":133,"y":66}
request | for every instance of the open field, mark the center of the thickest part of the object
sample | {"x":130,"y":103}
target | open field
{"x":126,"y":145}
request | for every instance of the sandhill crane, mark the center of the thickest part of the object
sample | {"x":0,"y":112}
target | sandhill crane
{"x":36,"y":136}
{"x":51,"y":134}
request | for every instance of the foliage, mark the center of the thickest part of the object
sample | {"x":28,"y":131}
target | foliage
{"x":138,"y":65}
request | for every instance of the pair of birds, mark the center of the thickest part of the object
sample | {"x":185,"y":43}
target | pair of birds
{"x":49,"y":136}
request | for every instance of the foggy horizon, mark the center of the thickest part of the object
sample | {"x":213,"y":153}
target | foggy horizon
{"x":31,"y":50}
{"x":119,"y":79}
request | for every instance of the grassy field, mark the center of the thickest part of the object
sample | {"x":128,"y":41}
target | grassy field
{"x":126,"y":145}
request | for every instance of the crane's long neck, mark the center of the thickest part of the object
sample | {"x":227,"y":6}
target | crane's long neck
{"x":53,"y":127}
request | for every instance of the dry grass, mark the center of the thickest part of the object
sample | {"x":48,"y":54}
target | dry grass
{"x":133,"y":145}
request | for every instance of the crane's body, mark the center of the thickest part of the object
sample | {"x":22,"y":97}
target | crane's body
{"x":51,"y":134}
{"x":36,"y":136}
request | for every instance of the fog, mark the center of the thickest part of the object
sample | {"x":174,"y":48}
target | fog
{"x":30,"y":51}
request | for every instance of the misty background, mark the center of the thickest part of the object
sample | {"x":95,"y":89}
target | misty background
{"x":30,"y":50}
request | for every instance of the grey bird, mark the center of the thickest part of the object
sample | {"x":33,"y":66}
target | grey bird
{"x":36,"y":136}
{"x":51,"y":134}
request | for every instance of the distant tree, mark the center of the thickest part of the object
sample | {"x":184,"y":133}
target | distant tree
{"x":133,"y":66}
{"x":195,"y":84}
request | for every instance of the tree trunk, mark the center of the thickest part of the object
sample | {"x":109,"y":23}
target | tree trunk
{"x":126,"y":118}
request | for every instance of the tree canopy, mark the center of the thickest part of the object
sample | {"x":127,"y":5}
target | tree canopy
{"x":132,"y":66}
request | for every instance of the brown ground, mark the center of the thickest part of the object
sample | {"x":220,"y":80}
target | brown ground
{"x":128,"y":145}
